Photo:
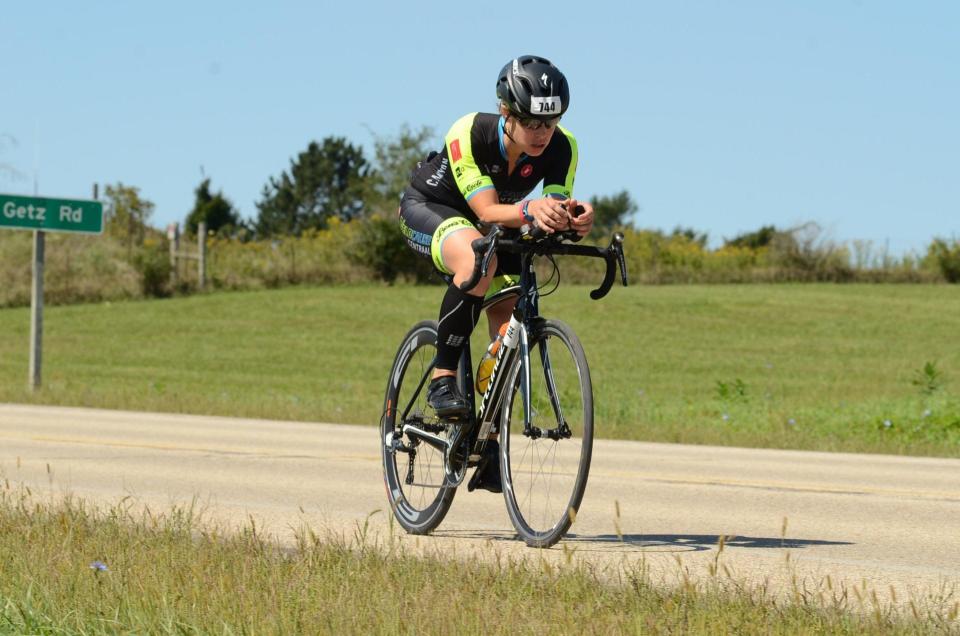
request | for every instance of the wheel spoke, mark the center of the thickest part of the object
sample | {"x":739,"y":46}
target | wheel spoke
{"x":418,"y":506}
{"x":548,"y":476}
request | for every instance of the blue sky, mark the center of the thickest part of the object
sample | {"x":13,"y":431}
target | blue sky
{"x":718,"y":115}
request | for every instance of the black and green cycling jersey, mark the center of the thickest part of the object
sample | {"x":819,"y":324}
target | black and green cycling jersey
{"x":474,"y":159}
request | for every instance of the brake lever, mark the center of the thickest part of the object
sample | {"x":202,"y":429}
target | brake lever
{"x":613,"y":256}
{"x":491,"y":250}
{"x":482,"y":264}
{"x":621,"y":260}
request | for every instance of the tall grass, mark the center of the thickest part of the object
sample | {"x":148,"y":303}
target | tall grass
{"x":71,"y":568}
{"x":85,"y":268}
{"x":78,"y":268}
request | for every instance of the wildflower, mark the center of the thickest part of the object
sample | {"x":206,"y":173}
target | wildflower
{"x":927,"y":413}
{"x":725,"y":417}
{"x":99,"y":566}
{"x":887,"y":424}
{"x":792,"y":422}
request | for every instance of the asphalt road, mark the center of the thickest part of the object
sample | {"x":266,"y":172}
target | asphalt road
{"x":871,"y":523}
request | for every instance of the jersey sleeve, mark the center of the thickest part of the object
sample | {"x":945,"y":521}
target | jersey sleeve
{"x":459,"y":146}
{"x":558,"y":179}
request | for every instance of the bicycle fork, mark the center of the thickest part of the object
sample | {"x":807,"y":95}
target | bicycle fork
{"x":516,"y":342}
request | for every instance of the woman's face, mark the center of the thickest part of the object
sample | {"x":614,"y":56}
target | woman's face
{"x":532,"y":135}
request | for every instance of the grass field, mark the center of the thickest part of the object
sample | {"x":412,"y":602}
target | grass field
{"x":863,"y":368}
{"x":72,"y":569}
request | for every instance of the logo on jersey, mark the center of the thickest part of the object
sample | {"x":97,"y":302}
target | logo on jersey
{"x":455,"y":155}
{"x":435,"y":179}
{"x":526,"y":171}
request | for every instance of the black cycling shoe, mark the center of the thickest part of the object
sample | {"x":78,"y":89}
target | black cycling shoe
{"x":444,"y":396}
{"x":487,"y":474}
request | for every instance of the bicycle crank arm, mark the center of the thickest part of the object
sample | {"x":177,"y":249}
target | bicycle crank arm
{"x":428,"y":438}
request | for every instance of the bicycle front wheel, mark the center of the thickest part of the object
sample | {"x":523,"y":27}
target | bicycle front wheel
{"x":544,"y":465}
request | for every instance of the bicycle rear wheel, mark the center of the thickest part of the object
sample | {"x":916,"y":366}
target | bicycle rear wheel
{"x":544,"y":470}
{"x":413,"y":470}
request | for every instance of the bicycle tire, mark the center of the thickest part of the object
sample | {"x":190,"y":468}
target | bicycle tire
{"x":544,"y":479}
{"x":420,"y":506}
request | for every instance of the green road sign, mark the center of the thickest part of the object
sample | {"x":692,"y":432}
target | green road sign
{"x":51,"y":215}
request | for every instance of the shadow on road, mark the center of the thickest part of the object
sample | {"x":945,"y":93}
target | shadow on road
{"x":652,"y":542}
{"x":695,"y":542}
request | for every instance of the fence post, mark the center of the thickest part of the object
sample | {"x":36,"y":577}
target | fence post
{"x":173,"y":234}
{"x":202,"y":255}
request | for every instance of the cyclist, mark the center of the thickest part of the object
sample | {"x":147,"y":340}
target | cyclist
{"x":488,"y":165}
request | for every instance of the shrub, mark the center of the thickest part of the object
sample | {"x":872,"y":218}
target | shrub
{"x":381,"y":246}
{"x":945,"y":256}
{"x":152,"y":262}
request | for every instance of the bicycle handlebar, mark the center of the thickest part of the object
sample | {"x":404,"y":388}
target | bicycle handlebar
{"x":534,"y":239}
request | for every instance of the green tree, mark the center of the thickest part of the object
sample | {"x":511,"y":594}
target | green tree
{"x":327,"y":180}
{"x":126,"y":215}
{"x":213,"y":209}
{"x":614,"y":211}
{"x":380,"y":245}
{"x":395,"y":159}
{"x":753,"y":240}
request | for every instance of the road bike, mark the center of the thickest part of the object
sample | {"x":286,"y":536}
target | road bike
{"x":539,"y":401}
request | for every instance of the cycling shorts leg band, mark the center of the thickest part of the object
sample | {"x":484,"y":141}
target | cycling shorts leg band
{"x":459,"y":312}
{"x":445,"y":229}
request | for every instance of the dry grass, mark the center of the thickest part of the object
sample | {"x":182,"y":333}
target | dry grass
{"x":71,"y":568}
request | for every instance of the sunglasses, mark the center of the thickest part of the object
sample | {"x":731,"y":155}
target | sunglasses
{"x":529,"y":123}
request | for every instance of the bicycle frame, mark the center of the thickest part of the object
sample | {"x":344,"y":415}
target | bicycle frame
{"x":516,"y":343}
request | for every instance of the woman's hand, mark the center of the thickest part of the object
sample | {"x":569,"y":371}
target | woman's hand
{"x":584,"y":222}
{"x":549,"y":214}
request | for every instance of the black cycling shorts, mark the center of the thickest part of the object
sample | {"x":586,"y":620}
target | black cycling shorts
{"x":426,"y":224}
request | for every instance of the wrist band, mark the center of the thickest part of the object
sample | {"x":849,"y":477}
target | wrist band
{"x":523,"y":212}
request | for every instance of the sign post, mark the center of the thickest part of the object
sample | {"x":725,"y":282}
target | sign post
{"x":36,"y":311}
{"x":42,"y":215}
